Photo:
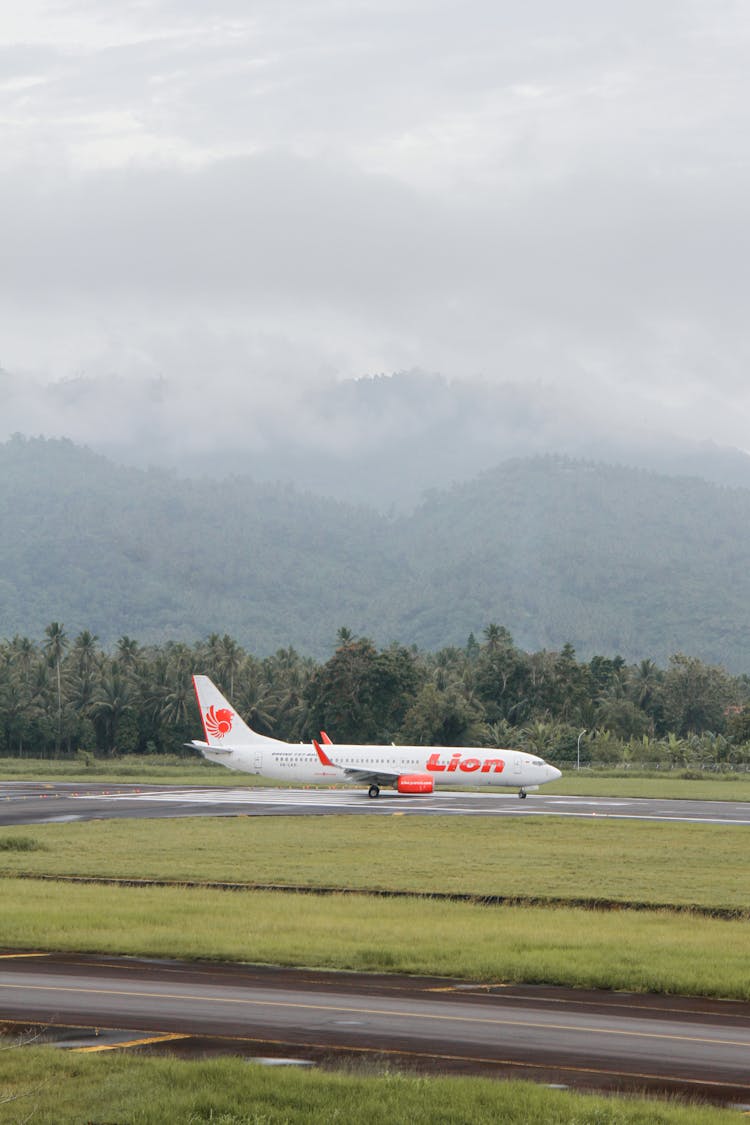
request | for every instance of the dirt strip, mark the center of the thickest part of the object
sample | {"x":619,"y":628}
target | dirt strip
{"x":721,"y":913}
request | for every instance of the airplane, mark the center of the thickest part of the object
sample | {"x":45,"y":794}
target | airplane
{"x":408,"y":769}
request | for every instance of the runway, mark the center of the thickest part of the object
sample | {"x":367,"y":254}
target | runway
{"x":588,"y":1039}
{"x":23,"y":802}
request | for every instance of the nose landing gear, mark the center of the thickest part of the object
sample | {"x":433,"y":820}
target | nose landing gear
{"x":522,"y":794}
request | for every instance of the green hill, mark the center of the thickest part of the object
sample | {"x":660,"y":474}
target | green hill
{"x":613,"y":560}
{"x":610,"y":559}
{"x":125,"y":551}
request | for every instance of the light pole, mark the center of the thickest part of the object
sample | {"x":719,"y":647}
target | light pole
{"x":578,"y":753}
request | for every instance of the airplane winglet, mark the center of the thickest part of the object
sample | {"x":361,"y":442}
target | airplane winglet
{"x":324,"y":759}
{"x":325,"y":739}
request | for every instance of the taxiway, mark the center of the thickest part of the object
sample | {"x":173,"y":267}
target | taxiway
{"x":589,"y":1039}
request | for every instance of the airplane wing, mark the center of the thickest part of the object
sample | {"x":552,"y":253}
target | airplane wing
{"x":364,"y":777}
{"x":369,"y":777}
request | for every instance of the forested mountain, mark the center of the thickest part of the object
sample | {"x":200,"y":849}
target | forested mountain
{"x":379,"y":440}
{"x":120,"y":550}
{"x":612,"y":560}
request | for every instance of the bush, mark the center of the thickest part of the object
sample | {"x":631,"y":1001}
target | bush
{"x":20,"y":844}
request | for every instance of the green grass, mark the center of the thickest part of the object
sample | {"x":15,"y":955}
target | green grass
{"x":67,"y":1089}
{"x":19,"y":844}
{"x":670,"y":786}
{"x":156,"y":769}
{"x":640,"y":952}
{"x":641,"y":862}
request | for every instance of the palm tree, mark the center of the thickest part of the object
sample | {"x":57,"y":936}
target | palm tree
{"x":42,"y":701}
{"x":210,"y":657}
{"x":176,"y":702}
{"x":84,"y":661}
{"x":230,"y":661}
{"x":284,"y":677}
{"x":22,"y":654}
{"x":497,"y":636}
{"x":16,"y":701}
{"x":645,"y":680}
{"x":128,"y":652}
{"x":54,"y":647}
{"x":539,"y":737}
{"x":256,"y":704}
{"x":113,"y":699}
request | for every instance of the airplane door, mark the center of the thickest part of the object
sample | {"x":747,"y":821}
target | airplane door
{"x":258,"y":762}
{"x":517,"y":765}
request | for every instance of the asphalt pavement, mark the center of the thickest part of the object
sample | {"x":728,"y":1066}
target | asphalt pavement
{"x":24,"y":802}
{"x":602,"y":1040}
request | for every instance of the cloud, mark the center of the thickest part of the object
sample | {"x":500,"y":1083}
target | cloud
{"x":238,"y":204}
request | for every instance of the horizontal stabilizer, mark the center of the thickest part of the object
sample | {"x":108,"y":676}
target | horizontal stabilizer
{"x":206,"y":749}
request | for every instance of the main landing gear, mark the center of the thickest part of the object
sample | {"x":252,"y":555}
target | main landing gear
{"x":373,"y":791}
{"x":522,"y":794}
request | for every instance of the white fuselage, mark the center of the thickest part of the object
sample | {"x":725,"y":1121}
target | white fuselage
{"x":461,"y":766}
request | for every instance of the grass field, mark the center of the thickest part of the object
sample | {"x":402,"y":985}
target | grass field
{"x":668,"y":786}
{"x":156,"y":769}
{"x":171,"y":770}
{"x":54,"y":1088}
{"x":655,"y":951}
{"x":640,"y":862}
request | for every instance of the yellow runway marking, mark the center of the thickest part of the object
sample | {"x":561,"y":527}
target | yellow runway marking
{"x":469,"y":988}
{"x":483,"y":988}
{"x":10,"y":956}
{"x":521,"y":1064}
{"x":479,"y":1059}
{"x":167,"y":1037}
{"x":389,"y":1013}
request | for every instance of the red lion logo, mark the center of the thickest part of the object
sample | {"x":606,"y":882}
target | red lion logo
{"x":218,"y":723}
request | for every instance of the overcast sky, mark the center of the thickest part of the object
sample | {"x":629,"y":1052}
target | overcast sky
{"x":221,"y":205}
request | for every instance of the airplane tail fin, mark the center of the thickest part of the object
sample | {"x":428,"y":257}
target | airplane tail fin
{"x":221,"y":722}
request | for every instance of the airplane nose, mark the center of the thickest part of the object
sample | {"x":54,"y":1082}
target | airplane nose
{"x":554,"y":773}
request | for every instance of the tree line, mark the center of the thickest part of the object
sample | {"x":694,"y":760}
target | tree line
{"x":67,"y":695}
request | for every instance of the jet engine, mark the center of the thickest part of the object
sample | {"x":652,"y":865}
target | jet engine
{"x":415,"y":783}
